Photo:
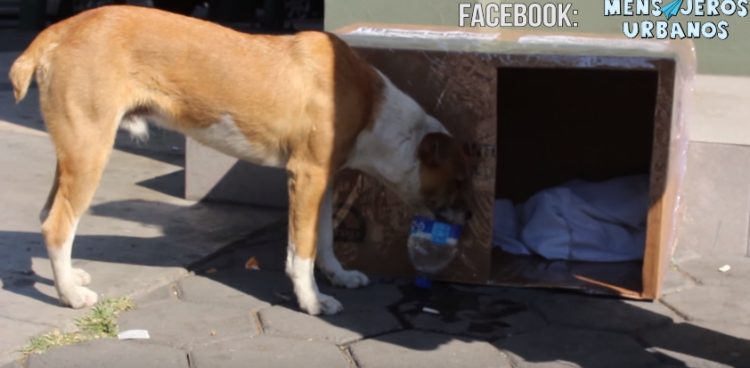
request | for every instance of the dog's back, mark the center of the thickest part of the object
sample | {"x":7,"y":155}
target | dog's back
{"x":194,"y":72}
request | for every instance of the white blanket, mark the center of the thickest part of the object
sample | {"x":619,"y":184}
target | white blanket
{"x":582,"y":221}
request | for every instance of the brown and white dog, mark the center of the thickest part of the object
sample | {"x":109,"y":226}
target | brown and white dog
{"x":305,"y":102}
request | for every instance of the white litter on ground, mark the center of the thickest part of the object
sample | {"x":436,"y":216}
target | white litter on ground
{"x":134,"y":335}
{"x":725,"y":268}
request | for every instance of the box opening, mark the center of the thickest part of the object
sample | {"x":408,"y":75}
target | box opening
{"x":555,"y":125}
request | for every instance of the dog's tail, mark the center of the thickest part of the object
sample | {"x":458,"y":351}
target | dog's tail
{"x":27,"y":64}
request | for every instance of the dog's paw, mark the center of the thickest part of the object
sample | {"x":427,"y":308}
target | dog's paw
{"x":81,"y":277}
{"x":329,"y":305}
{"x":349,"y":279}
{"x":79,"y":297}
{"x":321,"y":304}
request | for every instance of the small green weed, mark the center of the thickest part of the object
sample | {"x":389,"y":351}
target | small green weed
{"x":100,"y":322}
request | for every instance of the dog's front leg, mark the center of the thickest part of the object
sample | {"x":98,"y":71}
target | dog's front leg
{"x":326,"y":259}
{"x":307,"y":187}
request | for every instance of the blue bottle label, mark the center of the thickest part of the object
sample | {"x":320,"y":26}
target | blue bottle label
{"x":438,"y":233}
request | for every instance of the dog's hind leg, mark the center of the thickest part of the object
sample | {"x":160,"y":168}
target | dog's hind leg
{"x":80,"y":277}
{"x":51,"y":197}
{"x":83,"y":146}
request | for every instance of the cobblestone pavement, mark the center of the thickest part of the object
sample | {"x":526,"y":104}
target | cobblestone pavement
{"x":225,"y":315}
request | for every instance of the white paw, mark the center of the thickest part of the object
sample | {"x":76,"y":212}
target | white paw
{"x":81,"y":277}
{"x":79,"y":297}
{"x":320,"y":304}
{"x":349,"y":279}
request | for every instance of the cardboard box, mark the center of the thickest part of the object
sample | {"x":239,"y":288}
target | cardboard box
{"x":531,"y":112}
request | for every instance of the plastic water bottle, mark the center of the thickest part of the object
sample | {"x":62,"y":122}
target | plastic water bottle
{"x":432,"y":246}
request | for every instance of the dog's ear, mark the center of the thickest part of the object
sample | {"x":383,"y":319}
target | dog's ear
{"x":435,"y":149}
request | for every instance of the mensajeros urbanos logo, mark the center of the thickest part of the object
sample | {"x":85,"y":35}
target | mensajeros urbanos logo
{"x":709,"y":19}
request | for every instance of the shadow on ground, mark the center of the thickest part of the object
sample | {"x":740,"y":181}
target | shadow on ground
{"x":175,"y":247}
{"x":531,"y":325}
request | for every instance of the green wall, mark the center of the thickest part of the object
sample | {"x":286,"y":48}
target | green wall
{"x":730,"y":56}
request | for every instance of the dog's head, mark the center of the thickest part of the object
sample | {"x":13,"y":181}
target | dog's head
{"x":443,"y":177}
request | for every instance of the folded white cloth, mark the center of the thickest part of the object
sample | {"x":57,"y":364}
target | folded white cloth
{"x":584,"y":221}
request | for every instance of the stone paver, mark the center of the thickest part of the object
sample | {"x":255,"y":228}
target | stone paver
{"x":35,"y":304}
{"x":184,"y":324}
{"x":164,"y":293}
{"x":602,"y":313}
{"x":702,"y":345}
{"x":111,"y":353}
{"x":675,"y":281}
{"x":706,"y":269}
{"x":108,"y":279}
{"x":21,"y":330}
{"x":14,"y":364}
{"x":200,"y":289}
{"x":562,"y":346}
{"x":268,"y":351}
{"x":488,"y":318}
{"x":423,"y":349}
{"x":354,"y":323}
{"x":715,"y":199}
{"x":713,"y":304}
